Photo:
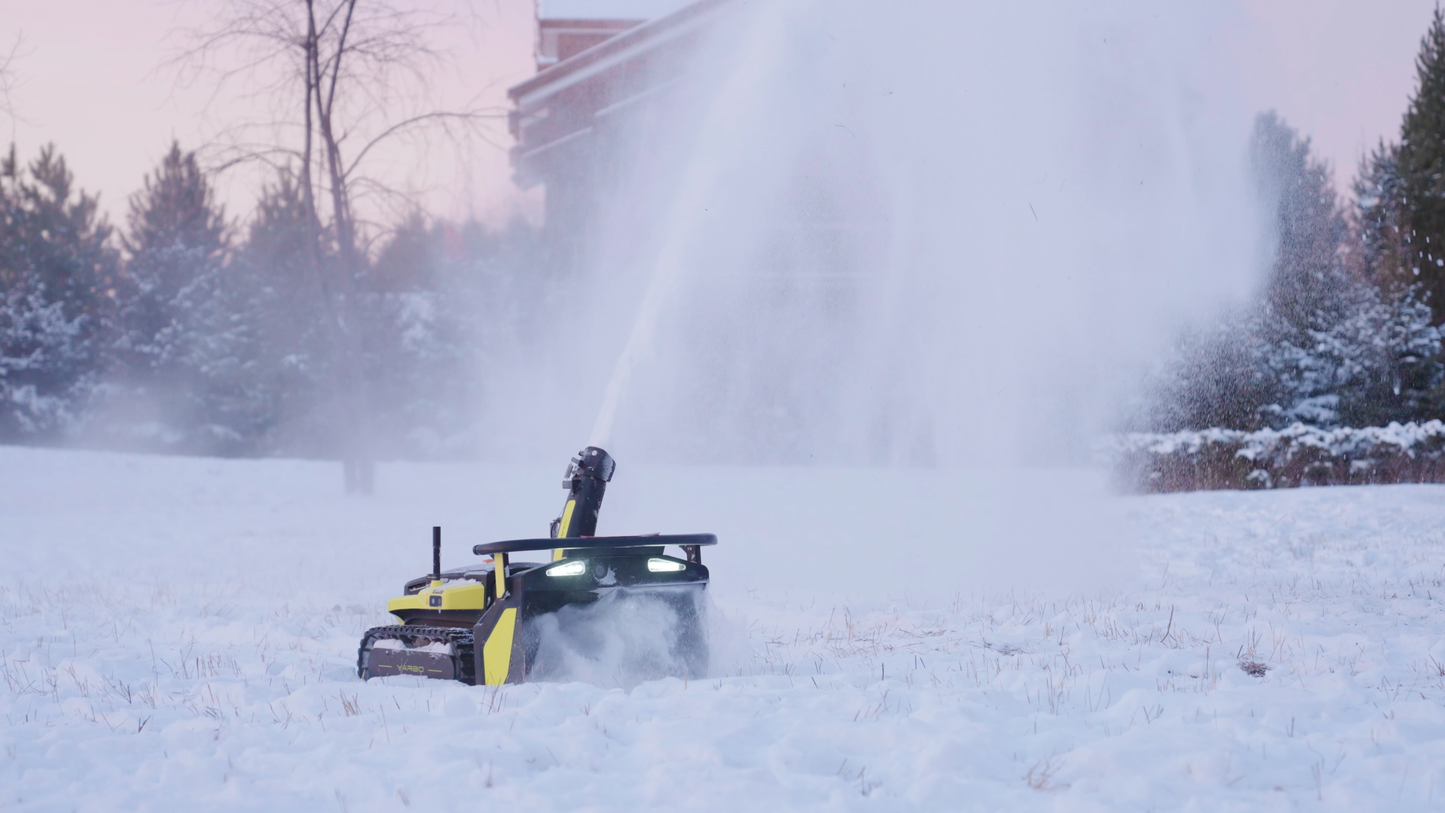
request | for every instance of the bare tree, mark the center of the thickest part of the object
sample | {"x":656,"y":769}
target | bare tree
{"x":7,"y":79}
{"x":343,"y":78}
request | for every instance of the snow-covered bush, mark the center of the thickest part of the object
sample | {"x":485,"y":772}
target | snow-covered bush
{"x":42,"y":355}
{"x":1298,"y":455}
{"x":55,"y":268}
{"x":1376,"y":362}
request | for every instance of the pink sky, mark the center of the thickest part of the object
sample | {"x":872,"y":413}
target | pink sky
{"x":91,"y":81}
{"x":1341,"y":71}
{"x":92,"y":78}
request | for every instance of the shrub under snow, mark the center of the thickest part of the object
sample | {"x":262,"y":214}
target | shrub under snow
{"x":1297,"y":455}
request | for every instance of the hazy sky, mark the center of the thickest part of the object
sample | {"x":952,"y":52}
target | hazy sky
{"x":91,"y":79}
{"x":94,"y":78}
{"x":1339,"y":70}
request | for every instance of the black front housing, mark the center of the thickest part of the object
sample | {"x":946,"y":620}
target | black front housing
{"x":622,"y":565}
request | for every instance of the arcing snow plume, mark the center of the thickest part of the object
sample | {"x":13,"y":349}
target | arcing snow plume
{"x":699,"y":183}
{"x":934,"y":234}
{"x":919,"y":232}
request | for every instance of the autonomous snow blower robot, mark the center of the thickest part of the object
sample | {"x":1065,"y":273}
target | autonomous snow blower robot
{"x":483,"y":624}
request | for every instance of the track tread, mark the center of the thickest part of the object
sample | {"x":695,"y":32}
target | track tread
{"x":461,"y":640}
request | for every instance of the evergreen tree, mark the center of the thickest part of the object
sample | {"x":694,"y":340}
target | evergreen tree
{"x":1323,"y":346}
{"x":1215,"y":379}
{"x":409,"y":259}
{"x":45,"y":366}
{"x":1306,"y":278}
{"x":176,"y":242}
{"x":54,"y":238}
{"x":443,"y":302}
{"x":414,"y":348}
{"x":58,"y":278}
{"x":185,"y":348}
{"x":1332,"y":346}
{"x":1378,"y":362}
{"x":282,"y":300}
{"x":1421,"y":168}
{"x":1377,"y":252}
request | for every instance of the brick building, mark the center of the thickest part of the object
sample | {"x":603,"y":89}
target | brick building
{"x":603,"y":66}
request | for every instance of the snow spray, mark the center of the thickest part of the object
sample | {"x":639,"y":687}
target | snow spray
{"x":699,"y":180}
{"x":912,"y":234}
{"x":941,"y":235}
{"x":624,"y":639}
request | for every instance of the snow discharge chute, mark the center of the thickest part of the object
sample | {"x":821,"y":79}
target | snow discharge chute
{"x":490,"y":624}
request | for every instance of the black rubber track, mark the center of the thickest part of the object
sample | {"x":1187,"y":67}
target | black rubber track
{"x":463,"y":664}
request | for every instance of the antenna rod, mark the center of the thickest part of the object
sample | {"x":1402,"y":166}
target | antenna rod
{"x":436,"y":553}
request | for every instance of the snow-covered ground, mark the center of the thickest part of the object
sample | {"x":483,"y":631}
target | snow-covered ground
{"x":180,"y":633}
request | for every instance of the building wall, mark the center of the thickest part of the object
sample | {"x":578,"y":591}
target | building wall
{"x":581,"y":125}
{"x":561,"y":39}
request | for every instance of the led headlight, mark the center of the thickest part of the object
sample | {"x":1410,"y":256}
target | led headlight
{"x":574,"y":568}
{"x":664,"y":566}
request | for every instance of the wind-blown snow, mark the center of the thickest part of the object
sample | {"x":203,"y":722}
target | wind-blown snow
{"x":180,"y":633}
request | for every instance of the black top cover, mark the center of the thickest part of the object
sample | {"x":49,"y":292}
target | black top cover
{"x":590,"y":462}
{"x":653,"y":540}
{"x":586,"y":484}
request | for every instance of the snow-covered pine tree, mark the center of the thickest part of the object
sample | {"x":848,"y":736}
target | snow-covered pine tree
{"x":186,"y":346}
{"x":1421,"y":168}
{"x":45,"y":365}
{"x":1377,"y":249}
{"x":1305,"y":280}
{"x":271,"y":279}
{"x":58,"y":276}
{"x":444,"y":302}
{"x":1256,"y":368}
{"x":1335,"y":347}
{"x":420,"y":340}
{"x":1215,"y":379}
{"x":1405,"y":333}
{"x":176,"y":240}
{"x":1378,"y":362}
{"x":1405,"y":344}
{"x":1323,"y":346}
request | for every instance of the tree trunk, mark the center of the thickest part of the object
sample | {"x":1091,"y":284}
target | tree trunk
{"x":350,"y":401}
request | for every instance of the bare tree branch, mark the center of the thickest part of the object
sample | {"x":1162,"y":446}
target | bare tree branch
{"x":338,"y":73}
{"x":8,"y":80}
{"x":414,"y":121}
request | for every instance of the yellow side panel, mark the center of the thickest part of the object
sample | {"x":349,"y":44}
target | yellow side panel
{"x":415,"y":602}
{"x":566,"y":523}
{"x":563,"y":526}
{"x":499,"y":576}
{"x":455,"y":596}
{"x":467,"y":597}
{"x":497,"y":651}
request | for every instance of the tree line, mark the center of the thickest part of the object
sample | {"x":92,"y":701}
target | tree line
{"x":185,"y":332}
{"x":1348,"y":328}
{"x":300,"y":332}
{"x":310,"y":330}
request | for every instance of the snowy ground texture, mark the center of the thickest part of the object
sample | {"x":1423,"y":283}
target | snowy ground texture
{"x":180,"y":633}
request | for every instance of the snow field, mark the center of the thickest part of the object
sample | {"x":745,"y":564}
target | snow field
{"x":182,"y":632}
